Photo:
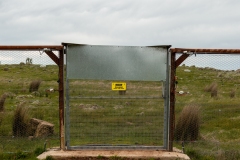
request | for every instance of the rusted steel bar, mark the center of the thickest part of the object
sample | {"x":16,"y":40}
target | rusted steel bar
{"x":181,"y":59}
{"x":172,"y":102}
{"x":61,"y":99}
{"x":53,"y":56}
{"x":57,"y":47}
{"x":206,"y":51}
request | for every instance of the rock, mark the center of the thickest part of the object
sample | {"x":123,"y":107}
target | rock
{"x":187,"y":70}
{"x":40,"y":128}
{"x":36,"y":102}
{"x":44,"y":129}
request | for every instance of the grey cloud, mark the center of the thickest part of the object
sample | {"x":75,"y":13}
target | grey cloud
{"x":139,"y":22}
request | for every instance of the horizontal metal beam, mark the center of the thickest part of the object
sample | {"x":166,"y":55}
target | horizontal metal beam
{"x":57,"y":47}
{"x":206,"y":51}
{"x":114,"y":147}
{"x":140,"y":97}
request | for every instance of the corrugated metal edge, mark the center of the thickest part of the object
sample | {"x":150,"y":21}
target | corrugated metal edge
{"x":72,"y":44}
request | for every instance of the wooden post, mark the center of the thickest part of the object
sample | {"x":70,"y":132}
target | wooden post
{"x":61,"y":99}
{"x":172,"y":101}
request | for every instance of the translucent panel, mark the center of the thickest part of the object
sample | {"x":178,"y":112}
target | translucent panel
{"x":116,"y":62}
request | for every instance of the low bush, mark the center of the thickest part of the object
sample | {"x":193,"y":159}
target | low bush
{"x":187,"y":126}
{"x":212,"y":88}
{"x":34,"y":85}
{"x":1,"y":118}
{"x":2,"y":102}
{"x":20,"y":126}
{"x":232,"y":94}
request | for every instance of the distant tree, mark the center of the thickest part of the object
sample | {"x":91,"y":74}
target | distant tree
{"x":28,"y":60}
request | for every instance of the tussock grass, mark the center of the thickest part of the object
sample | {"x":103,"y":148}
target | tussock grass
{"x":34,"y":85}
{"x":2,"y":102}
{"x":212,"y":88}
{"x":188,"y":124}
{"x":1,"y":118}
{"x":232,"y":93}
{"x":20,"y":126}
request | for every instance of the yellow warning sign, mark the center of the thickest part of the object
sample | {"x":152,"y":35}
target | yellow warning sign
{"x":119,"y":86}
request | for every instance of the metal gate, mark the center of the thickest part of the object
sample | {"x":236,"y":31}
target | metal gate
{"x":134,"y":115}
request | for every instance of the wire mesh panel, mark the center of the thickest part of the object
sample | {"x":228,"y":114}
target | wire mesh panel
{"x":207,"y":106}
{"x":28,"y":103}
{"x":99,"y":116}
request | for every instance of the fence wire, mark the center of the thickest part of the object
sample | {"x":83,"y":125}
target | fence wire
{"x":28,"y":103}
{"x":207,"y":106}
{"x":100,"y":116}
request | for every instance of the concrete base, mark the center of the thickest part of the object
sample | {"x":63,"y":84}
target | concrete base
{"x":113,"y":154}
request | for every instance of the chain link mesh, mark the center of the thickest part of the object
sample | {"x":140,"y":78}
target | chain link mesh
{"x":207,"y":106}
{"x":28,"y":103}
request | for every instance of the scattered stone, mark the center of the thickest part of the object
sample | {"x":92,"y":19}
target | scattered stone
{"x":24,"y":96}
{"x":89,"y":106}
{"x":36,"y":102}
{"x":187,"y":70}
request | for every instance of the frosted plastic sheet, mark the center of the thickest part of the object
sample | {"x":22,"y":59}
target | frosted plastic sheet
{"x":117,"y":62}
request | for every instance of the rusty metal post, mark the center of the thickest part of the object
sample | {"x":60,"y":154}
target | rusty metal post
{"x":61,"y":99}
{"x":172,"y":101}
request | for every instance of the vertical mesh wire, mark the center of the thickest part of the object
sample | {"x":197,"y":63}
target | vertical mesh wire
{"x":28,"y":104}
{"x":100,"y":116}
{"x":207,"y":105}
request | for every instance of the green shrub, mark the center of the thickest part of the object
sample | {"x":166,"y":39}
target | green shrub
{"x":39,"y":151}
{"x":49,"y":158}
{"x":187,"y":126}
{"x":34,"y":85}
{"x":20,"y":126}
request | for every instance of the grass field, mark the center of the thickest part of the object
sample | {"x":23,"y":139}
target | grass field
{"x":15,"y":82}
{"x":117,"y":121}
{"x":219,"y":126}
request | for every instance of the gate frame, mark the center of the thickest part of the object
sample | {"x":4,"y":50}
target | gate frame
{"x":166,"y":144}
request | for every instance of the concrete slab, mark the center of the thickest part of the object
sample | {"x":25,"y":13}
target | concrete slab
{"x":113,"y":154}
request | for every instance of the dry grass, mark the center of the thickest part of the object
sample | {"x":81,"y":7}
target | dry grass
{"x":1,"y":118}
{"x":2,"y":102}
{"x":212,"y":88}
{"x":187,"y":126}
{"x":34,"y":85}
{"x":20,"y":126}
{"x":232,"y":94}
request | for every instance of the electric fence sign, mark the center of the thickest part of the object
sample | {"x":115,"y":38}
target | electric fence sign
{"x":119,"y":86}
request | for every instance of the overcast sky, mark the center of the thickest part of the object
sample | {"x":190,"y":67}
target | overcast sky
{"x":180,"y":23}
